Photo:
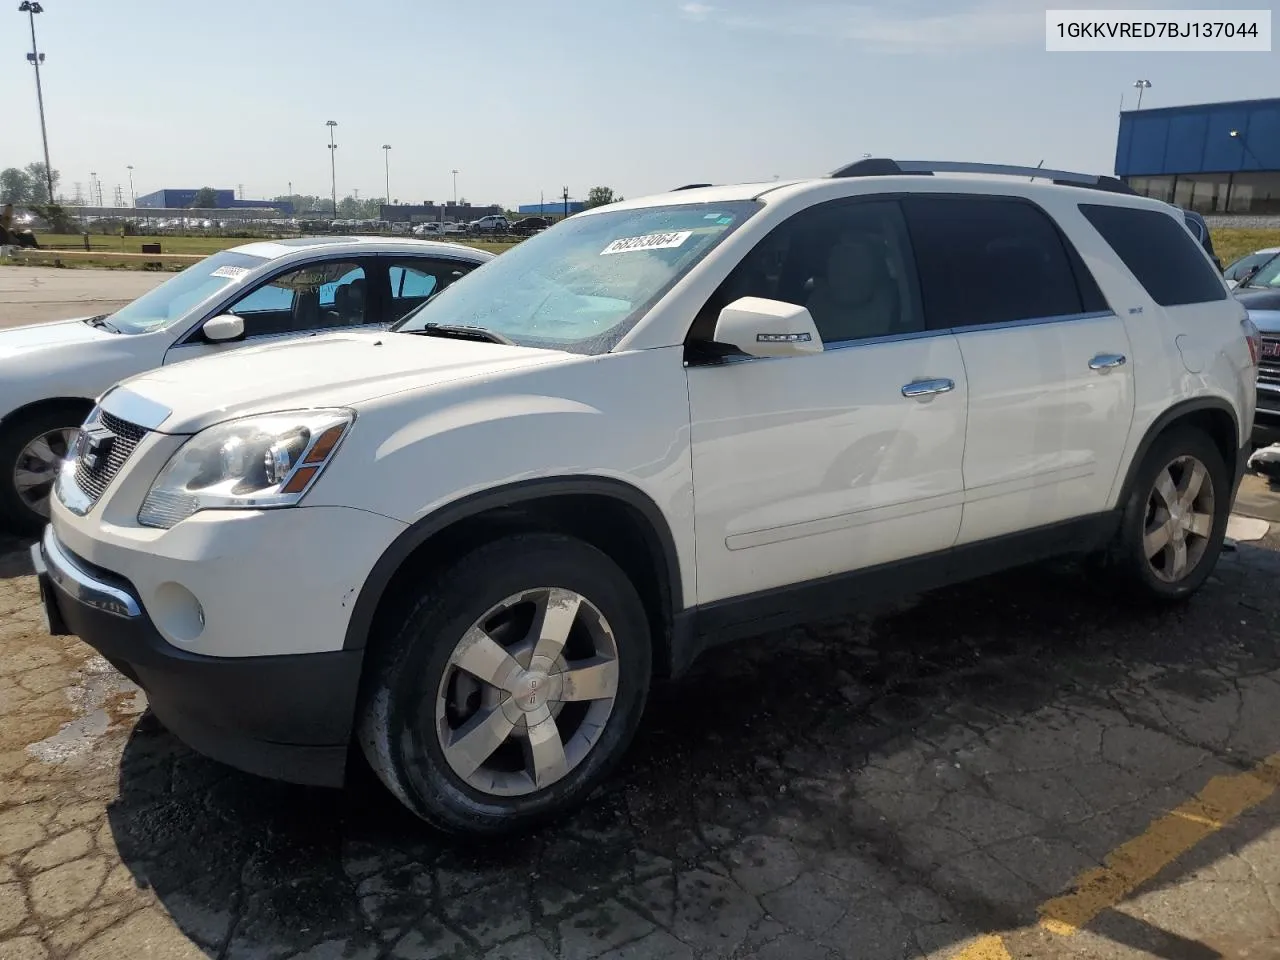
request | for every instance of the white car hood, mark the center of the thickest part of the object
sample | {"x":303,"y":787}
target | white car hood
{"x":42,"y":336}
{"x":334,"y":370}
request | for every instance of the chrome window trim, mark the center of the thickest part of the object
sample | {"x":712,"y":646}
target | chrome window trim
{"x":82,"y":586}
{"x":1035,"y":321}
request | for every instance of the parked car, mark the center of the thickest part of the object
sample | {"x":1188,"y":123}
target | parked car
{"x":469,"y":543}
{"x":527,"y":226}
{"x":1260,"y":295}
{"x":1200,"y":230}
{"x":252,"y":294}
{"x":1248,"y":264}
{"x":494,"y":223}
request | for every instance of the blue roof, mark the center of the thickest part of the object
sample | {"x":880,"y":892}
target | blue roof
{"x":1196,"y":138}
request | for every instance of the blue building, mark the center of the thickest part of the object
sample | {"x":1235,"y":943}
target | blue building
{"x":226,"y":200}
{"x":1210,"y":157}
{"x":553,"y":208}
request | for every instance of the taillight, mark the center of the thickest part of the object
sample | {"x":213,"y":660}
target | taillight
{"x":1253,"y":337}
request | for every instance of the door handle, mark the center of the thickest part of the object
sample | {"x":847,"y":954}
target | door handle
{"x":1107,"y":361}
{"x":928,"y":388}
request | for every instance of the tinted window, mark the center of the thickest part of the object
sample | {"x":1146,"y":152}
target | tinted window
{"x":989,"y":260}
{"x":413,"y":281}
{"x":848,"y":262}
{"x":1159,"y":252}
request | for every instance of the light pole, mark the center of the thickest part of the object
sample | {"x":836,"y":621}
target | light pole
{"x":132,"y":195}
{"x":35,"y":58}
{"x":93,"y":189}
{"x":386,"y":162}
{"x":455,"y":189}
{"x":333,"y":169}
{"x":1141,"y":85}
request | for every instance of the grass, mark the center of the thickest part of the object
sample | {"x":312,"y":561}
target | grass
{"x":193,"y":245}
{"x":1230,"y":243}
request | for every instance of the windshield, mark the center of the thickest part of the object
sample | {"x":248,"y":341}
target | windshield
{"x":585,"y":282}
{"x":1268,"y":275}
{"x":170,"y":302}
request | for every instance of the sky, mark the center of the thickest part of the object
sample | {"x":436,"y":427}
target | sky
{"x":525,"y":98}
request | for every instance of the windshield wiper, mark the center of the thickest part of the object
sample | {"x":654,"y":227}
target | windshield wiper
{"x":102,"y":322}
{"x":460,"y":332}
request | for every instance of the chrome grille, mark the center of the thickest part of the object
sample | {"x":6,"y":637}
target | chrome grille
{"x":125,"y":437}
{"x":1269,"y":366}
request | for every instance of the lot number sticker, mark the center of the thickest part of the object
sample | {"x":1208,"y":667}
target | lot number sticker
{"x":650,"y":241}
{"x":230,"y":273}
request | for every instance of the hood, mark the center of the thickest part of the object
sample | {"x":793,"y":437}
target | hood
{"x":42,"y":336}
{"x":334,"y":370}
{"x":1258,"y":298}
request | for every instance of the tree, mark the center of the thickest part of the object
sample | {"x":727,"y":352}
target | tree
{"x":15,"y":186}
{"x":599,"y":196}
{"x":206,"y":198}
{"x":39,"y":184}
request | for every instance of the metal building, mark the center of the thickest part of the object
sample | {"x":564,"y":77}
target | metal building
{"x":1210,"y":157}
{"x":226,"y":200}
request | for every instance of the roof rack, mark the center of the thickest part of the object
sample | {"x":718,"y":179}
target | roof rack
{"x":692,"y":186}
{"x":884,"y":167}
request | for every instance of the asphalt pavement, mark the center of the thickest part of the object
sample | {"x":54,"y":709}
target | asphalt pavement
{"x":37,"y":294}
{"x":1020,"y":767}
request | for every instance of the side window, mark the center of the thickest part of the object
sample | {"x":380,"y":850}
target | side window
{"x":317,"y":296}
{"x":848,"y":262}
{"x":413,"y":281}
{"x":1159,"y":252}
{"x":989,"y":260}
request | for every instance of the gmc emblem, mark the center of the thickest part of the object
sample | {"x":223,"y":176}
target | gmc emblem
{"x":95,"y":446}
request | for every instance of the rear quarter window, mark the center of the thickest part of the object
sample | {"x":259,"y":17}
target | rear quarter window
{"x":1160,"y":252}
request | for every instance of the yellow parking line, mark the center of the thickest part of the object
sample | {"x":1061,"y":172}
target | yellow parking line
{"x":1136,"y":861}
{"x":990,"y":947}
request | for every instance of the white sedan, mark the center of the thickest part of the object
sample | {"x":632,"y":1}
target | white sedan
{"x":51,"y":373}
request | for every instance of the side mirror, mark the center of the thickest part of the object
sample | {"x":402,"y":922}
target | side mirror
{"x":222,"y":328}
{"x":768,"y":328}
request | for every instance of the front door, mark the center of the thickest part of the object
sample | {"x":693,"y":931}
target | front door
{"x":318,"y":297}
{"x":1047,"y":361}
{"x":805,"y":467}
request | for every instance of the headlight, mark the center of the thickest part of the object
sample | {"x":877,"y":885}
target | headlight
{"x":266,"y":461}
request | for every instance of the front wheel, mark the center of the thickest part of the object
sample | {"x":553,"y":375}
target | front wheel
{"x":1175,"y":518}
{"x":32,"y":450}
{"x":511,"y":688}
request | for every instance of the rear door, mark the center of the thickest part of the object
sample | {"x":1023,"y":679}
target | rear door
{"x":410,"y":281}
{"x":1046,"y":360}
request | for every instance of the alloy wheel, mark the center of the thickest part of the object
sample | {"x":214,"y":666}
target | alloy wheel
{"x":1179,"y":520}
{"x":527,"y":692}
{"x":37,"y":467}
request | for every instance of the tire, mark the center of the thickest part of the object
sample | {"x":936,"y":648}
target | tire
{"x":16,"y":512}
{"x":1156,"y":577}
{"x":415,"y":697}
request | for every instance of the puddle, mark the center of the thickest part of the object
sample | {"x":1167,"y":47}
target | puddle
{"x":99,"y":693}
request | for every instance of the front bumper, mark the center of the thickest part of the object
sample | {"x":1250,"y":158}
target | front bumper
{"x":286,"y":717}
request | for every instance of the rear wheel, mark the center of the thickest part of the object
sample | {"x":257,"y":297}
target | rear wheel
{"x":512,"y":687}
{"x":1175,"y":518}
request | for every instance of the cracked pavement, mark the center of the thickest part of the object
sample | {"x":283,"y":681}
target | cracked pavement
{"x":901,"y":784}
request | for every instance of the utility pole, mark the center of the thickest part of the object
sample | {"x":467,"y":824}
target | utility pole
{"x":35,"y":58}
{"x":386,"y":162}
{"x":566,"y":202}
{"x":333,"y":170}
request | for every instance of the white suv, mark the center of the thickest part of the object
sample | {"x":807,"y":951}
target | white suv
{"x":471,"y":543}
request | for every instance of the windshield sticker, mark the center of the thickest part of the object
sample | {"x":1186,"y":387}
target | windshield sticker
{"x":651,"y":241}
{"x":231,"y":273}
